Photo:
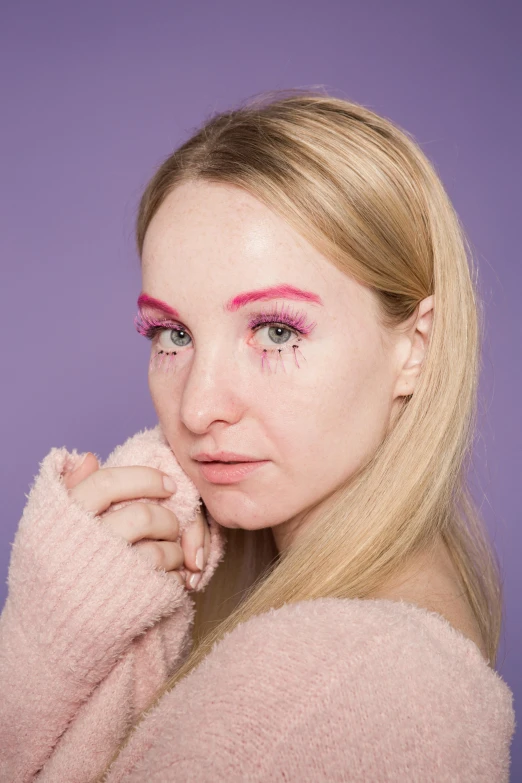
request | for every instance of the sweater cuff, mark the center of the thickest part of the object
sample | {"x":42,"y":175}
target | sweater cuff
{"x":79,"y":592}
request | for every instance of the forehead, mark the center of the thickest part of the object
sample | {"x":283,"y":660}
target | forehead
{"x":209,"y":241}
{"x":213,"y":224}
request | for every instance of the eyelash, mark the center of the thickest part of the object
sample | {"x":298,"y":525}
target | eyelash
{"x":285,"y":319}
{"x":150,"y":327}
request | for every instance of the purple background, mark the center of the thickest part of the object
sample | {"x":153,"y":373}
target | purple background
{"x":94,"y":95}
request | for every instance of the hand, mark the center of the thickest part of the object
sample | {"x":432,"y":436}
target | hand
{"x":97,"y":488}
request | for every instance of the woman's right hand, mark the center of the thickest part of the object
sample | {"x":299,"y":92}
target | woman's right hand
{"x":96,"y":489}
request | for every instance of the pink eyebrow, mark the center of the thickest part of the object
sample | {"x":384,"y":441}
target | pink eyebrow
{"x":283,"y":291}
{"x":146,"y":301}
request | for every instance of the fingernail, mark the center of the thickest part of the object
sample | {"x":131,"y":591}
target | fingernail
{"x":169,"y":484}
{"x":194,"y":579}
{"x":199,"y":558}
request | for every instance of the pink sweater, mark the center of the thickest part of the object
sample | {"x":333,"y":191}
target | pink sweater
{"x":322,"y":690}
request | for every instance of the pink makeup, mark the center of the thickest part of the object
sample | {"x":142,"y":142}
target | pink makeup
{"x":283,"y":291}
{"x":276,"y":322}
{"x":146,"y":301}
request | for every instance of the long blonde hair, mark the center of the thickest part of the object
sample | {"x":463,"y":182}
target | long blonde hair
{"x":360,"y":190}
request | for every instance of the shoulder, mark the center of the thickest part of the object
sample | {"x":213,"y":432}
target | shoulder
{"x":337,"y":630}
{"x":394,"y":643}
{"x":325,"y":688}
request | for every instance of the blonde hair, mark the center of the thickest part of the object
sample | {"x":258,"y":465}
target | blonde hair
{"x":360,"y":190}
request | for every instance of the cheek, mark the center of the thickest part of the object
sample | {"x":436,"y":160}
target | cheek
{"x":164,"y":395}
{"x":340,"y":423}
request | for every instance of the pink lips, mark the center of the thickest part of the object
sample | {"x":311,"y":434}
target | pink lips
{"x":224,"y":456}
{"x":227,"y":473}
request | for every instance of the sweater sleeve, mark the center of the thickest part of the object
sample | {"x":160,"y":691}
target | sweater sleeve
{"x":330,"y":689}
{"x":90,"y":629}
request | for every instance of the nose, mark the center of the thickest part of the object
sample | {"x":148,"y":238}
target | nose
{"x":213,"y":389}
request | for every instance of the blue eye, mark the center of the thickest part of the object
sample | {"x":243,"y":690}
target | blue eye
{"x":171,"y":340}
{"x":277,"y":339}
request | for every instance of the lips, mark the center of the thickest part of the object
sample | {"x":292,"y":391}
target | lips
{"x":227,"y":472}
{"x":224,"y":456}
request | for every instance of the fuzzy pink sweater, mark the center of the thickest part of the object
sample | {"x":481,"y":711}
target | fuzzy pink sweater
{"x":322,"y":690}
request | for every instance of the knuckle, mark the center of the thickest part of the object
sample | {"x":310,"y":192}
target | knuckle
{"x":154,"y":553}
{"x":103,"y":481}
{"x":173,"y":521}
{"x":143,"y":518}
{"x":159,"y":555}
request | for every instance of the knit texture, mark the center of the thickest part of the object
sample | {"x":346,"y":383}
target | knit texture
{"x":329,"y":689}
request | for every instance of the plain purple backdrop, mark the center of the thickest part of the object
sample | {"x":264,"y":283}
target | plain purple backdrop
{"x":93,"y":97}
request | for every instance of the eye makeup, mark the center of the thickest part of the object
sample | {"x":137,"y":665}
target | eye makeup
{"x":296,"y":324}
{"x":296,"y":321}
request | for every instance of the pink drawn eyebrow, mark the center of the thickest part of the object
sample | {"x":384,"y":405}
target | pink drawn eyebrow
{"x":283,"y":291}
{"x":146,"y":301}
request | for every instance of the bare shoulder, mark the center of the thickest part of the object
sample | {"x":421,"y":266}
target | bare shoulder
{"x":432,"y":583}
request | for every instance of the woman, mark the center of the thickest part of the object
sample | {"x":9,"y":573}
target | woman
{"x":312,"y":314}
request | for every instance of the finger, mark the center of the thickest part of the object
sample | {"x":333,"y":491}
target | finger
{"x":206,"y":552}
{"x":206,"y":546}
{"x":88,"y":466}
{"x":178,"y":575}
{"x":193,"y":539}
{"x":192,"y":578}
{"x":206,"y":537}
{"x":143,"y":520}
{"x":111,"y":485}
{"x":163,"y":555}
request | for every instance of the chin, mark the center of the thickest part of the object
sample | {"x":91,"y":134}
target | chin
{"x":236,"y":511}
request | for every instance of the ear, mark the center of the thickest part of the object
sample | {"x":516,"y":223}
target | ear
{"x":412,"y":348}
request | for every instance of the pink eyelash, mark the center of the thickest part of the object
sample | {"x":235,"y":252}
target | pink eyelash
{"x":148,"y":327}
{"x":296,"y":321}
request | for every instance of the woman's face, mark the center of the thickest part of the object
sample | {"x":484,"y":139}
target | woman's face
{"x":311,"y":395}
